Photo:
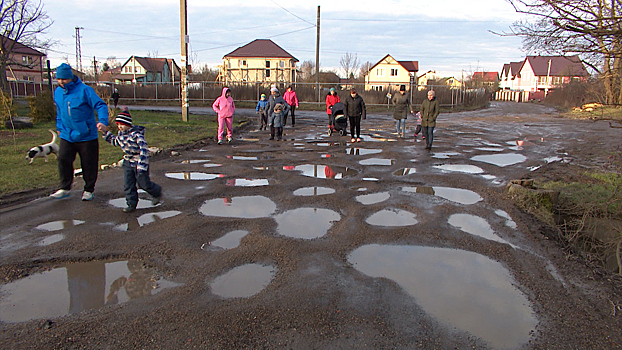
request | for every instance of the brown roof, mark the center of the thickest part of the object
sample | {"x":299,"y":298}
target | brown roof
{"x":486,"y":76}
{"x":560,"y":66}
{"x":411,"y":66}
{"x":18,"y":48}
{"x":260,"y":48}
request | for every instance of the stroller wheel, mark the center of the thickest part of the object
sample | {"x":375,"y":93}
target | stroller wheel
{"x":330,"y":132}
{"x":342,"y":132}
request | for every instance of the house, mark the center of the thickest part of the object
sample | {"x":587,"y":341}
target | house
{"x":24,"y":63}
{"x":426,"y":78}
{"x":452,"y":82}
{"x":260,"y":61}
{"x":544,"y":73}
{"x":489,"y":80}
{"x":148,"y":70}
{"x":389,"y":74}
{"x":507,"y":80}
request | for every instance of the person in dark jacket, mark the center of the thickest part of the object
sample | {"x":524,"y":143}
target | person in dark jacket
{"x":76,"y":104}
{"x":274,"y":99}
{"x":354,"y":110}
{"x":401,"y":101}
{"x":429,"y":111}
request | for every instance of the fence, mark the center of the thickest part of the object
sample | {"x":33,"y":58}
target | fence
{"x":202,"y":93}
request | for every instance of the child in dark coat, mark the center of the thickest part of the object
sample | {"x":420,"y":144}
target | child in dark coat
{"x":131,"y":139}
{"x":276,"y":122}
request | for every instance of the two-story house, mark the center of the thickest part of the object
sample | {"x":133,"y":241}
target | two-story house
{"x":24,"y":63}
{"x":389,"y":74}
{"x":148,"y":70}
{"x":258,"y":61}
{"x":544,"y":73}
{"x":507,"y":80}
{"x":489,"y":80}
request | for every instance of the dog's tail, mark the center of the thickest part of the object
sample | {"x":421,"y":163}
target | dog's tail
{"x":54,"y":136}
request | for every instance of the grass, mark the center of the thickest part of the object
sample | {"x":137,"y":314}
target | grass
{"x":601,"y":113}
{"x":163,"y":130}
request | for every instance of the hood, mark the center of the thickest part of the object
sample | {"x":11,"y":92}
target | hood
{"x":70,"y":85}
{"x":136,"y":128}
{"x":224,"y":91}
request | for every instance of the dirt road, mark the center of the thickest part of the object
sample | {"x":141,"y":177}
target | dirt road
{"x":316,"y":243}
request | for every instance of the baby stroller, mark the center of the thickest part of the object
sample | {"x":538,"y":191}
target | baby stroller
{"x":339,"y":120}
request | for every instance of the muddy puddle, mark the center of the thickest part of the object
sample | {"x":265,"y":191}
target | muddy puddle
{"x":192,"y":175}
{"x":313,"y":191}
{"x":248,"y":207}
{"x":228,"y":241}
{"x":355,"y":151}
{"x":392,"y":217}
{"x":323,"y":171}
{"x":306,"y":223}
{"x":508,"y":222}
{"x":373,"y":198}
{"x":51,"y":240}
{"x":59,"y":225}
{"x":475,"y":225}
{"x":243,"y":281}
{"x":377,"y":161}
{"x":73,"y":288}
{"x":405,"y":172}
{"x":248,"y":182}
{"x":142,"y":203}
{"x":500,"y":160}
{"x":462,"y":289}
{"x":146,"y":219}
{"x":457,"y":195}
{"x":460,"y":168}
{"x":444,"y":155}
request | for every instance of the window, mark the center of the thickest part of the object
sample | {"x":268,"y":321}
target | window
{"x":376,"y":87}
{"x":394,"y":72}
{"x":267,"y":64}
{"x":267,"y":73}
{"x":27,"y":59}
{"x":380,"y":72}
{"x":542,"y":80}
{"x":282,"y":64}
{"x":243,"y":62}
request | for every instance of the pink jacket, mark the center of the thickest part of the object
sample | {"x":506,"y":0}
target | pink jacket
{"x":224,"y":106}
{"x":291,"y":98}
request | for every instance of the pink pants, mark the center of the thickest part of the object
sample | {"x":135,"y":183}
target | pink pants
{"x":221,"y":126}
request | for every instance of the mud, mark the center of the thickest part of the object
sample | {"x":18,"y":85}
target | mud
{"x":371,"y":247}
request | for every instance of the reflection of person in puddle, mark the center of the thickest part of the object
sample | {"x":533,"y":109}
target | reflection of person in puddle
{"x":329,"y":172}
{"x":227,"y":200}
{"x":138,"y":284}
{"x":87,"y":286}
{"x":355,"y":151}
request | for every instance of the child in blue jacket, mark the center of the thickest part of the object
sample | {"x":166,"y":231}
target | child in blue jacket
{"x":131,"y":138}
{"x":261,"y":110}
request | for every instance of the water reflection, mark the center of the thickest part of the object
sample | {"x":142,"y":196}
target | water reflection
{"x":243,"y":281}
{"x":229,"y":241}
{"x":392,"y":217}
{"x":377,"y":161}
{"x":313,"y":191}
{"x":373,"y":198}
{"x":51,"y":240}
{"x":59,"y":225}
{"x":355,"y":151}
{"x":247,"y":182}
{"x":469,"y":169}
{"x":187,"y":175}
{"x":248,"y":207}
{"x":475,"y":225}
{"x":501,"y":160}
{"x":405,"y":171}
{"x":457,"y":195}
{"x":463,"y":289}
{"x":323,"y":171}
{"x":306,"y":223}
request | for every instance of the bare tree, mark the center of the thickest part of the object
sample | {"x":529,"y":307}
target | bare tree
{"x":365,"y":68}
{"x":349,"y":64}
{"x":20,"y":23}
{"x":153,"y":54}
{"x":591,"y":29}
{"x":203,"y":73}
{"x":308,"y":70}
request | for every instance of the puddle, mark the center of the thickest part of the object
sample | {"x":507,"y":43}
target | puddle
{"x":313,"y":191}
{"x":243,"y":157}
{"x":142,"y":203}
{"x":501,"y":160}
{"x":247,"y":182}
{"x":211,"y":165}
{"x":553,"y":159}
{"x":325,"y":156}
{"x":373,"y":198}
{"x":460,"y":168}
{"x":323,"y":171}
{"x":362,"y":151}
{"x":74,"y":288}
{"x":248,"y":207}
{"x":509,"y":222}
{"x":475,"y":225}
{"x":392,"y":217}
{"x":229,"y":241}
{"x":186,"y":175}
{"x":358,"y":189}
{"x":405,"y":171}
{"x":194,"y":161}
{"x":261,"y":168}
{"x":59,"y":225}
{"x":490,"y":149}
{"x":370,"y":179}
{"x":463,"y":289}
{"x":445,"y":155}
{"x":147,"y":219}
{"x":457,"y":195}
{"x":377,"y":161}
{"x":306,"y":223}
{"x":243,"y":281}
{"x":51,"y":240}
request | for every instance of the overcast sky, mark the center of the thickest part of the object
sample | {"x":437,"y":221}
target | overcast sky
{"x":449,"y":36}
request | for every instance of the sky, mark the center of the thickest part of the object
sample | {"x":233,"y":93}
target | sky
{"x":451,"y":37}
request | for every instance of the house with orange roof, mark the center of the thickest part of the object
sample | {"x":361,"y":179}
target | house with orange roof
{"x":488,"y":80}
{"x":388,"y":74}
{"x":261,"y":61}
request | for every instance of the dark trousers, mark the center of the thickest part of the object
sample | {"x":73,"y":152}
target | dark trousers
{"x":292,"y":110}
{"x":133,"y":177}
{"x":417,"y":129}
{"x":279,"y":132}
{"x":89,"y":160}
{"x":355,"y":126}
{"x":263,"y":117}
{"x":428,"y":133}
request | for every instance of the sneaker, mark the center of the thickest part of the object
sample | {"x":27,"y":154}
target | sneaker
{"x":353,"y":140}
{"x":220,"y":142}
{"x":60,"y":194}
{"x":358,"y":140}
{"x":229,"y":139}
{"x":129,"y":209}
{"x":156,"y":200}
{"x":87,"y":196}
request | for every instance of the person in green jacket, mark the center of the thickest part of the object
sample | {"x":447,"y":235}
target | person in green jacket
{"x":429,"y":111}
{"x":402,"y":105}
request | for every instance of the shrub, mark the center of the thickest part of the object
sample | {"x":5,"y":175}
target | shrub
{"x":42,"y":107}
{"x":7,"y":108}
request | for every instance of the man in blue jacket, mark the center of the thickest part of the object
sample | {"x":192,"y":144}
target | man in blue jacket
{"x":77,"y":127}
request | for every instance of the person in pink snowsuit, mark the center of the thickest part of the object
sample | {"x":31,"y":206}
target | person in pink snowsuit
{"x":224,"y":108}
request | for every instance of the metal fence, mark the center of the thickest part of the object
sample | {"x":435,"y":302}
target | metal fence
{"x":205,"y":92}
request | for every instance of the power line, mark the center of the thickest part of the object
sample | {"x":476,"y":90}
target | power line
{"x":291,"y":13}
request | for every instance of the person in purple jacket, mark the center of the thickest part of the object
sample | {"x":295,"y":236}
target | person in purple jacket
{"x":224,"y":108}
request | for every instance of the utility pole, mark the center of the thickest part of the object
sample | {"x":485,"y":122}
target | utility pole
{"x":95,"y":68}
{"x":317,"y":57}
{"x":78,"y":50}
{"x":183,"y":21}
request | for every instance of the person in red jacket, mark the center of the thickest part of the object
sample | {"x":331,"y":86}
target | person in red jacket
{"x":331,"y":99}
{"x":292,"y":100}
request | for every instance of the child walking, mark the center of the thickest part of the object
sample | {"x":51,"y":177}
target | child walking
{"x":261,"y":110}
{"x":131,"y":139}
{"x":418,"y":122}
{"x":225,"y":108}
{"x":276,"y":122}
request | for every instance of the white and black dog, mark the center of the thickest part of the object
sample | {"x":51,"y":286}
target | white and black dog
{"x":43,"y":150}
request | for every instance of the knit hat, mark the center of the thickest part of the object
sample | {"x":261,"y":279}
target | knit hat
{"x":402,"y":87}
{"x":274,"y":89}
{"x":124,"y":118}
{"x":64,"y":71}
{"x":332,"y":89}
{"x":263,"y":95}
{"x":278,"y":107}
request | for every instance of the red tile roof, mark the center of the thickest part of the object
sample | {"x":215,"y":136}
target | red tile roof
{"x":486,"y":76}
{"x":264,"y":48}
{"x":563,"y":66}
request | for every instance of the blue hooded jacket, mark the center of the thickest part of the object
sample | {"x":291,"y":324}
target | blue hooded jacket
{"x":76,"y":104}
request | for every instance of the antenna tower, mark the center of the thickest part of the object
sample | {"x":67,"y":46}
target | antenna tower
{"x":78,"y":50}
